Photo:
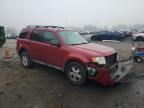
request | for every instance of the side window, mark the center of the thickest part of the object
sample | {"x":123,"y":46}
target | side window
{"x":37,"y":36}
{"x":23,"y":35}
{"x":50,"y":38}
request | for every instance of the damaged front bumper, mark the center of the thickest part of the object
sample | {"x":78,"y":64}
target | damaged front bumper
{"x":124,"y":68}
{"x":112,"y":75}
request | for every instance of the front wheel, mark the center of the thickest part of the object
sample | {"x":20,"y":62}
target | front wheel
{"x":138,"y":59}
{"x":76,"y":73}
{"x":25,"y":59}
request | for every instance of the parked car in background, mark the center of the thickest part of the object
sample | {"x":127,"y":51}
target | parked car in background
{"x":12,"y":36}
{"x":2,"y":36}
{"x":109,"y":35}
{"x":88,"y":35}
{"x":138,"y":36}
{"x":139,"y":53}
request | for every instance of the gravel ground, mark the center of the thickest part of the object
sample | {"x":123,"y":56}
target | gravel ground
{"x":44,"y":87}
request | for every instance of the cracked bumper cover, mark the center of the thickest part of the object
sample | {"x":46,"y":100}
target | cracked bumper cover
{"x":105,"y":77}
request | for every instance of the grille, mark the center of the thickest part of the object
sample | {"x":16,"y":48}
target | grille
{"x":111,"y":60}
{"x":113,"y":68}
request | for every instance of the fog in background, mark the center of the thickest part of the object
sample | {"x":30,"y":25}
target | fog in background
{"x":101,"y":13}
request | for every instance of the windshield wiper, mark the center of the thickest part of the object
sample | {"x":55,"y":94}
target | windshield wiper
{"x":78,"y":43}
{"x":84,"y":43}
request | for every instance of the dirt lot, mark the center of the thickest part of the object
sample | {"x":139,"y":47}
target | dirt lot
{"x":43,"y":87}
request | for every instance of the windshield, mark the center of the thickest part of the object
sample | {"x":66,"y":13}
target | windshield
{"x":72,"y":38}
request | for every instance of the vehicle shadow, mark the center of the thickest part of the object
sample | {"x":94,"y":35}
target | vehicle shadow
{"x":60,"y":75}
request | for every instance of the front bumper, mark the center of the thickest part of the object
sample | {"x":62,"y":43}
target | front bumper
{"x":112,"y":75}
{"x":103,"y":77}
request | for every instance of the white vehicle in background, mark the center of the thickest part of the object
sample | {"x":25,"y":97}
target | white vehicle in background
{"x":87,"y":37}
{"x":138,"y":36}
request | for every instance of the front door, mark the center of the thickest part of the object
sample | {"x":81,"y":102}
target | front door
{"x":51,"y":51}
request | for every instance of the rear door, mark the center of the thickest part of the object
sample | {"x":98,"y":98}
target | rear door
{"x":36,"y":45}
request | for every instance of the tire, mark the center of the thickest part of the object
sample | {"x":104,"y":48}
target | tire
{"x":76,"y":73}
{"x":139,"y":38}
{"x":93,"y":38}
{"x":25,"y":59}
{"x":137,"y":59}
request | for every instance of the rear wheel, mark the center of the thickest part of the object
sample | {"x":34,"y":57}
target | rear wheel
{"x":93,"y":38}
{"x":76,"y":73}
{"x":25,"y":59}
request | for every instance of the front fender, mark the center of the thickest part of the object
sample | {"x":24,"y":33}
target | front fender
{"x":75,"y":57}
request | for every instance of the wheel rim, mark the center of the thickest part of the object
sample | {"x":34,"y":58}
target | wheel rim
{"x":75,"y":74}
{"x":24,"y":60}
{"x":139,"y":60}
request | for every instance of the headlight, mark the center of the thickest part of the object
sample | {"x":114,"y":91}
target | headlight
{"x":99,"y":60}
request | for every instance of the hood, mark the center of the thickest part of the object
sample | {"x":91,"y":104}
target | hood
{"x":94,"y":49}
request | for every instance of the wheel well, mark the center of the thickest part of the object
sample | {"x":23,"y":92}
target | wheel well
{"x":21,"y":50}
{"x":139,"y":37}
{"x":71,"y":61}
{"x":92,"y":37}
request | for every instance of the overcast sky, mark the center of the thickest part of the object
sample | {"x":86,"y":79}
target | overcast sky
{"x":19,"y":13}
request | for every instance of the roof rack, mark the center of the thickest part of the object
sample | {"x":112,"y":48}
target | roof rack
{"x":40,"y":26}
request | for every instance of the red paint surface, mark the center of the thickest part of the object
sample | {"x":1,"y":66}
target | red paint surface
{"x":59,"y":56}
{"x":103,"y":77}
{"x":141,"y":48}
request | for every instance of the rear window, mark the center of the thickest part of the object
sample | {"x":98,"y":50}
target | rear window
{"x":23,"y":35}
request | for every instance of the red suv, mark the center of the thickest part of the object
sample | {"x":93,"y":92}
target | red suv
{"x":67,"y":51}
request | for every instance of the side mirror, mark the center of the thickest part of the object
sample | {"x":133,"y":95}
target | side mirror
{"x":58,"y":45}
